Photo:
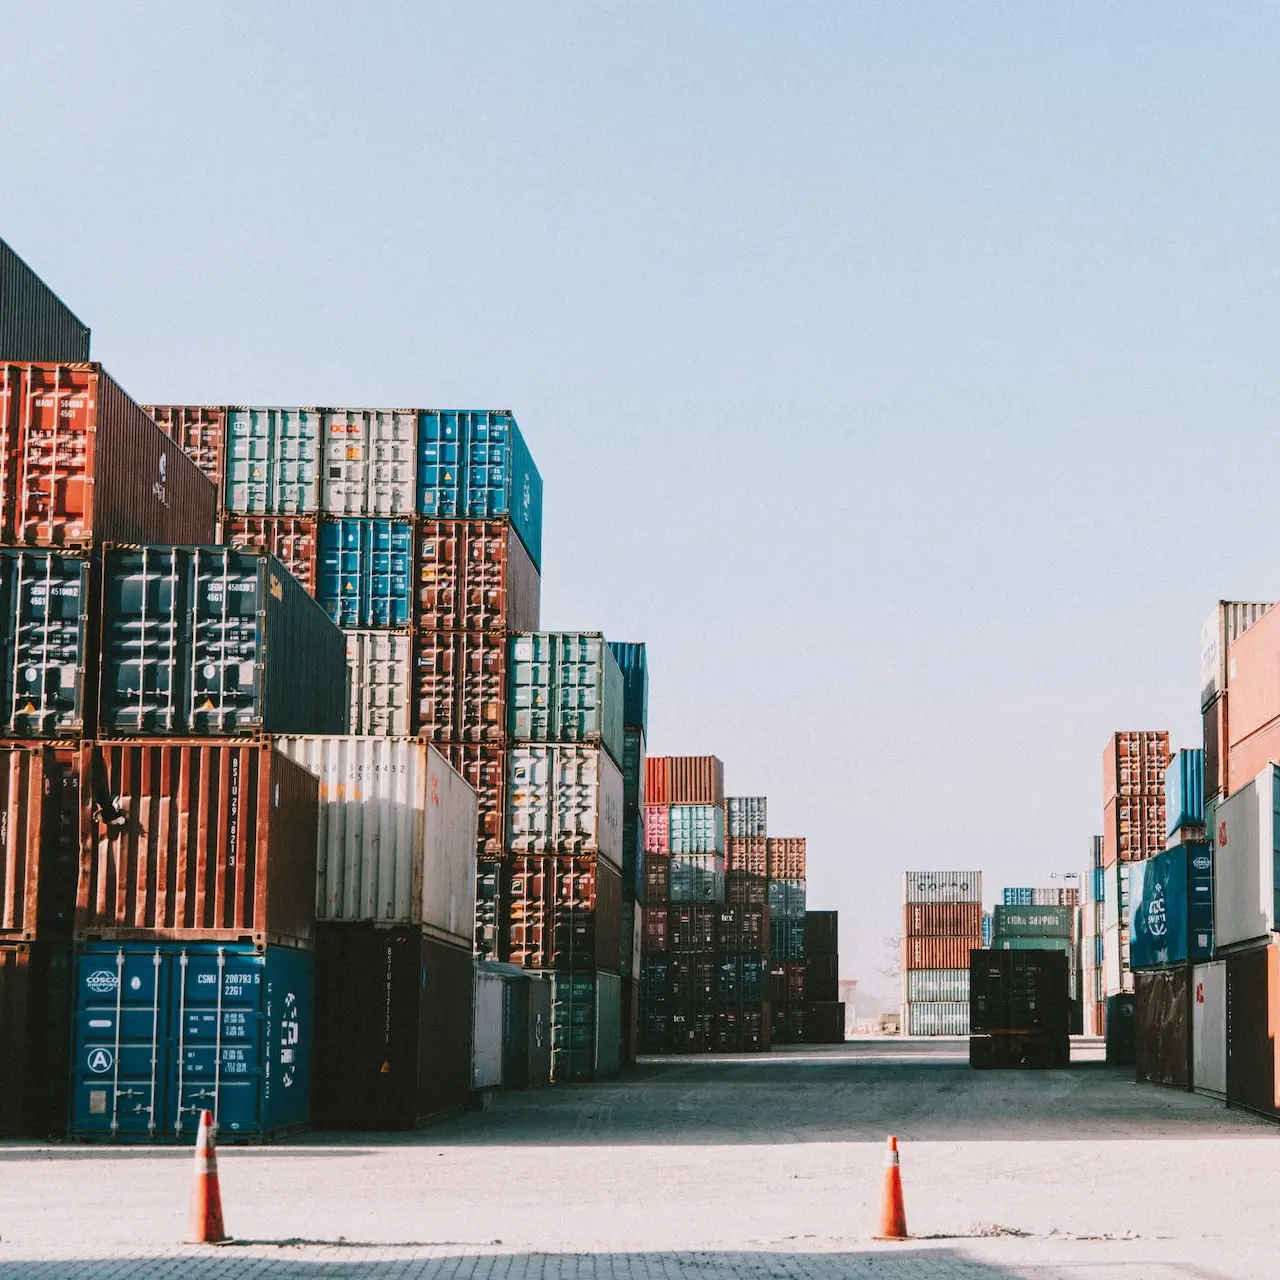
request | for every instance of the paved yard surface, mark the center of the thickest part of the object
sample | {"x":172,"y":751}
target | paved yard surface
{"x":727,"y":1167}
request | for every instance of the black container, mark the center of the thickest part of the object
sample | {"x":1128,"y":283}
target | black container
{"x":393,"y":1028}
{"x":217,"y":642}
{"x":822,"y":979}
{"x":35,"y":1028}
{"x":824,"y":1021}
{"x":821,"y":933}
{"x":1121,"y":1031}
{"x":35,"y":324}
{"x":1019,"y":1009}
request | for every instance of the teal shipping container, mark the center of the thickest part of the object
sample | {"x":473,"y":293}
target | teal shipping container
{"x":272,"y":461}
{"x":696,"y":877}
{"x":634,"y":665}
{"x":565,"y":686}
{"x":364,"y":572}
{"x":1171,"y":907}
{"x":696,"y":828}
{"x":1184,"y":790}
{"x":586,"y":1026}
{"x":1032,"y":922}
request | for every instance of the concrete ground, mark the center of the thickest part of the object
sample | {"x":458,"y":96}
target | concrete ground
{"x":710,"y":1167}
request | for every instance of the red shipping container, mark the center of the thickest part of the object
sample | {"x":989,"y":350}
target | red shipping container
{"x":1249,"y":757}
{"x":461,"y":685}
{"x":786,"y":858}
{"x":81,"y":463}
{"x":291,"y":539}
{"x":475,"y":575}
{"x":943,"y":919}
{"x":200,"y":431}
{"x":562,"y":912}
{"x":33,"y":877}
{"x":684,"y":780}
{"x":1253,"y":679}
{"x":484,"y":766}
{"x":1133,"y":763}
{"x":938,"y":953}
{"x":657,"y":829}
{"x":749,"y":854}
{"x":196,"y":840}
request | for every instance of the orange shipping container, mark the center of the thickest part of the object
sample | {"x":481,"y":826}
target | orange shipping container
{"x":291,"y":539}
{"x":30,"y":838}
{"x":683,"y":780}
{"x":200,"y":430}
{"x":1253,"y":679}
{"x":943,"y":919}
{"x":938,"y":953}
{"x":786,"y":858}
{"x":1133,"y":763}
{"x":1250,"y":757}
{"x":747,"y":853}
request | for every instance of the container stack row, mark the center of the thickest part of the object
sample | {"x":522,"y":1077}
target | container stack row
{"x":1049,"y":927}
{"x":785,"y":861}
{"x":1092,"y":935}
{"x":942,"y":923}
{"x":824,"y":1011}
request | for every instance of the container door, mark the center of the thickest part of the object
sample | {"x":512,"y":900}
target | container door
{"x":227,"y":648}
{"x":515,"y":1030}
{"x":381,"y":665}
{"x":119,"y":1063}
{"x":392,"y":463}
{"x":539,"y":1031}
{"x":389,"y":574}
{"x":344,"y":478}
{"x":486,"y":1067}
{"x":1209,"y":1029}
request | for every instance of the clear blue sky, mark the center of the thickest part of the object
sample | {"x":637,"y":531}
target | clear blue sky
{"x":905,"y":375}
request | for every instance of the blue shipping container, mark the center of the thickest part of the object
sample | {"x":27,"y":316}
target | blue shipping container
{"x":364,"y":573}
{"x":163,"y":1031}
{"x":634,"y":665}
{"x":1171,"y":907}
{"x":1019,"y":897}
{"x":1184,"y":790}
{"x":475,"y":465}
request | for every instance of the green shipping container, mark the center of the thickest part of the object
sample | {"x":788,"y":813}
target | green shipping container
{"x":1033,"y":922}
{"x":586,"y":1026}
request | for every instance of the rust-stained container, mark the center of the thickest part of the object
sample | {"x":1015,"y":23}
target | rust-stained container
{"x":35,"y":1027}
{"x":200,"y":431}
{"x":657,"y":829}
{"x":938,"y":953}
{"x":683,"y":780}
{"x":657,"y":882}
{"x":196,"y":840}
{"x":1134,"y":763}
{"x":35,"y":324}
{"x":943,"y":919}
{"x":563,"y":912}
{"x":82,"y":463}
{"x":1132,"y":829}
{"x":786,"y":855}
{"x":1162,"y":1027}
{"x":460,"y":686}
{"x":475,"y":575}
{"x":1253,"y":1030}
{"x":484,"y":766}
{"x":37,"y":875}
{"x":749,"y":854}
{"x":291,"y":539}
{"x":393,"y":1030}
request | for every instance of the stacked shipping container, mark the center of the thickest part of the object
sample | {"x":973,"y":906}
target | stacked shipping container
{"x":942,"y":923}
{"x":1092,"y":934}
{"x":823,"y":1009}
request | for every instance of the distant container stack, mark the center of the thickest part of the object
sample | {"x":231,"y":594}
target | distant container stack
{"x":1223,"y":628}
{"x":942,"y":924}
{"x":1092,"y":936}
{"x":788,"y":897}
{"x":824,"y":1011}
{"x":1048,"y":927}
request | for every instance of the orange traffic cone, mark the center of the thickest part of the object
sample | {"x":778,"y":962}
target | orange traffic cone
{"x":893,"y":1213}
{"x":206,"y":1199}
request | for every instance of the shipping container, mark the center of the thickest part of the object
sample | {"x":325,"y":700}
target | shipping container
{"x":565,"y":686}
{"x":657,"y":882}
{"x":393,"y":1027}
{"x":364,"y":571}
{"x":1115,"y":903}
{"x":35,"y":1014}
{"x":1221,"y":629}
{"x":1055,"y":897}
{"x":1253,"y":1030}
{"x":743,"y":889}
{"x":272,"y":461}
{"x":741,"y":929}
{"x":1209,"y":1028}
{"x":198,"y":841}
{"x":1134,"y":764}
{"x":936,"y":984}
{"x":396,"y":838}
{"x":822,"y":933}
{"x":369,"y":462}
{"x":943,"y":919}
{"x":1020,"y":1009}
{"x":474,"y":575}
{"x":293,"y":540}
{"x":199,"y":430}
{"x":822,"y":979}
{"x":749,"y":854}
{"x":512,"y":1028}
{"x":627,"y":965}
{"x":696,"y":877}
{"x":786,"y":939}
{"x":787,"y":898}
{"x":489,"y":1024}
{"x":37,"y":846}
{"x":988,"y":928}
{"x":586,"y":1021}
{"x":1033,"y":922}
{"x":937,"y":1019}
{"x":695,"y":828}
{"x":633,"y":860}
{"x":1117,"y":975}
{"x":475,"y":465}
{"x":1249,"y":757}
{"x":491,"y":911}
{"x":1253,"y":677}
{"x":217,"y":641}
{"x":1162,"y":1027}
{"x":564,"y":799}
{"x":824,"y":1022}
{"x":1216,"y":752}
{"x":657,"y":829}
{"x":563,"y":913}
{"x":1018,"y":897}
{"x":683,"y":780}
{"x":634,"y":664}
{"x":1133,"y":828}
{"x":1171,"y":908}
{"x":748,"y":816}
{"x":35,"y":324}
{"x":460,"y":686}
{"x":692,"y":928}
{"x":164,"y":1031}
{"x":1246,"y":845}
{"x":380,"y":664}
{"x":83,"y":464}
{"x":943,"y":886}
{"x":786,"y":857}
{"x":938,"y":953}
{"x":632,"y":772}
{"x":1184,"y":791}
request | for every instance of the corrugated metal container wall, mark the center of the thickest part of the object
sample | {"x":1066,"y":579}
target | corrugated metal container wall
{"x":1034,"y":922}
{"x":460,"y":685}
{"x":474,"y":575}
{"x":397,"y":834}
{"x":35,"y":1013}
{"x":943,"y":886}
{"x":1216,"y":752}
{"x":85,"y":464}
{"x":46,"y":601}
{"x":937,"y":1018}
{"x":1253,"y":679}
{"x":748,"y":854}
{"x":944,"y":919}
{"x":215,"y":640}
{"x":1246,"y":846}
{"x":381,"y":667}
{"x":293,"y":540}
{"x":1209,"y":1028}
{"x":1253,"y":1029}
{"x":209,"y":841}
{"x":486,"y":1039}
{"x":1162,"y":1027}
{"x":684,"y":780}
{"x":1221,"y":629}
{"x":822,"y":932}
{"x":162,"y":1032}
{"x":697,"y":877}
{"x":1248,"y":758}
{"x":199,"y":430}
{"x":475,"y":465}
{"x":565,"y":686}
{"x":634,"y":664}
{"x":485,"y":769}
{"x":657,"y":829}
{"x":696,"y":828}
{"x":1117,"y":976}
{"x":562,"y":913}
{"x":950,"y":985}
{"x":272,"y":461}
{"x":35,"y":324}
{"x":369,"y":461}
{"x":1171,"y":907}
{"x":364,"y":571}
{"x":564,"y":799}
{"x":1184,"y":790}
{"x":586,"y":1020}
{"x":938,"y":953}
{"x":1134,"y":763}
{"x":30,"y":832}
{"x":1018,"y":897}
{"x":748,"y":816}
{"x":787,"y":899}
{"x":787,"y":857}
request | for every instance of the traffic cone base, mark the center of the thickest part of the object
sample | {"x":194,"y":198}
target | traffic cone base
{"x":893,"y":1213}
{"x":206,"y":1198}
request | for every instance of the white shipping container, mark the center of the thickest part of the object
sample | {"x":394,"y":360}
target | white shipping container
{"x":486,"y":1051}
{"x":938,"y":1018}
{"x":942,"y":886}
{"x":1115,"y":906}
{"x":937,"y":984}
{"x":1117,"y":977}
{"x":370,"y":462}
{"x":632,"y":930}
{"x":397,"y":833}
{"x":1209,"y":1028}
{"x":381,"y":666}
{"x":564,"y":798}
{"x":1222,"y":628}
{"x":1244,"y":874}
